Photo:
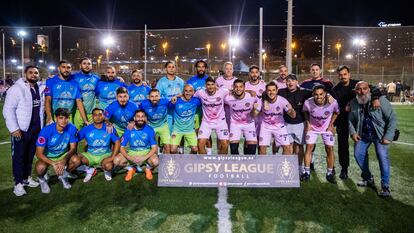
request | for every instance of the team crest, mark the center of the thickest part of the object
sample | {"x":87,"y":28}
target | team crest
{"x":218,"y":99}
{"x":247,"y":105}
{"x":277,"y":108}
{"x":41,"y":140}
{"x":327,"y":113}
{"x":173,"y":136}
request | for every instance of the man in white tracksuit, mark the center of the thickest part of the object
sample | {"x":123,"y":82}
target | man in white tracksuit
{"x":23,"y":111}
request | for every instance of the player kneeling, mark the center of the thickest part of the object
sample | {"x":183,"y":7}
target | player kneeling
{"x":98,"y":148}
{"x":55,"y":147}
{"x":142,"y":148}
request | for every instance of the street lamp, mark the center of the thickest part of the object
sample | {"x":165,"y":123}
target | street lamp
{"x":359,"y":43}
{"x":164,"y":47}
{"x":234,"y":42}
{"x":264,"y":56}
{"x":293,"y":46}
{"x":22,"y":34}
{"x":108,"y":41}
{"x":338,"y":47}
{"x":223,"y":46}
{"x":176,"y":61}
{"x":208,"y":46}
{"x":13,"y":61}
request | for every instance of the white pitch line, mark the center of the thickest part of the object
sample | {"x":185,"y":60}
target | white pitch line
{"x":224,"y":222}
{"x":6,"y":142}
{"x":404,"y":143}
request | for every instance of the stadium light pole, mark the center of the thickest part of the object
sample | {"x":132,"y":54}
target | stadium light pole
{"x":359,"y":43}
{"x":22,"y":34}
{"x":234,"y":43}
{"x":208,"y":46}
{"x":223,"y":46}
{"x":108,"y":41}
{"x":338,"y":47}
{"x":13,"y":61}
{"x":164,"y":47}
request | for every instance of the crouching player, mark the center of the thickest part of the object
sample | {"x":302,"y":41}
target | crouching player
{"x":142,"y":147}
{"x":320,"y":116}
{"x":98,"y":146}
{"x":55,"y":147}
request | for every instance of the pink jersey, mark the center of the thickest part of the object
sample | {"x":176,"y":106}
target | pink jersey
{"x":320,"y":116}
{"x":258,"y":88}
{"x":240,"y":109}
{"x":273,"y":116}
{"x":280,"y":83}
{"x":212,"y":105}
{"x":221,"y":82}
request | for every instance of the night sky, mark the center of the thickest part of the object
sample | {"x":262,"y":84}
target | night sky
{"x":124,"y":14}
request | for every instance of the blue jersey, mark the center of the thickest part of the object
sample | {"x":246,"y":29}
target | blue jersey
{"x":138,"y":93}
{"x":119,"y":115}
{"x":170,"y":88}
{"x":139,"y":139}
{"x":87,"y":84}
{"x":63,"y":92}
{"x":184,"y":113}
{"x":156,"y":114}
{"x":56,"y":143}
{"x":197,"y":83}
{"x":98,"y":140}
{"x":106,"y":92}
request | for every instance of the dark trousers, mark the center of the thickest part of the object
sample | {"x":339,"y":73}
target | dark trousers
{"x":23,"y":151}
{"x":343,"y":145}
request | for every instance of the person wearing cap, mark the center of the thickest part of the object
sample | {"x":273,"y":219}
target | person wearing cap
{"x":296,"y":96}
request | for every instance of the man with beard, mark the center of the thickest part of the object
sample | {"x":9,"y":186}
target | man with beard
{"x":241,"y":106}
{"x":344,"y":92}
{"x":156,"y":110}
{"x":255,"y":83}
{"x":316,"y":79}
{"x":272,"y":108}
{"x":170,"y":86}
{"x":281,"y":80}
{"x":121,"y":112}
{"x":212,"y":99}
{"x":296,"y":126}
{"x":367,"y":126}
{"x":320,"y":116}
{"x":142,"y":147}
{"x":198,"y":82}
{"x":63,"y":92}
{"x":184,"y":109}
{"x":106,"y":88}
{"x":137,"y":90}
{"x":87,"y":82}
{"x":98,"y":147}
{"x":55,"y":147}
{"x":23,"y":114}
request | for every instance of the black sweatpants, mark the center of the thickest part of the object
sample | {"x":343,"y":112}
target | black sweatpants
{"x":23,"y":151}
{"x":343,"y":145}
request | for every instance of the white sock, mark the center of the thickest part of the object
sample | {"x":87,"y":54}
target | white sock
{"x":82,"y":168}
{"x":209,"y":151}
{"x":181,"y":150}
{"x":90,"y":170}
{"x":148,"y":166}
{"x":128,"y":168}
{"x":41,"y":179}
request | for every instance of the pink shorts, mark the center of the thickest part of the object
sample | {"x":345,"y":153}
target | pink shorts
{"x":220,"y":127}
{"x":281,"y":136}
{"x":248,"y":130}
{"x":327,"y":137}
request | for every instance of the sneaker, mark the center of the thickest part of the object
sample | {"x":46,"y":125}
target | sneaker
{"x":89,"y":174}
{"x":130,"y":174}
{"x":44,"y":186}
{"x":366,"y":183}
{"x":19,"y":190}
{"x":30,"y":183}
{"x":108,"y":175}
{"x":305,"y":177}
{"x":65,"y":182}
{"x":148,"y":174}
{"x":71,"y":176}
{"x":46,"y":177}
{"x":385,"y":192}
{"x":331,"y":178}
{"x":344,"y":174}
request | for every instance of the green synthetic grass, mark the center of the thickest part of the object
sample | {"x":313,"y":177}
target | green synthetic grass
{"x":140,"y":206}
